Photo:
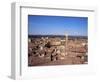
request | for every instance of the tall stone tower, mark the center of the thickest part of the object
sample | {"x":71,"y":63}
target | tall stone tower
{"x":66,"y":44}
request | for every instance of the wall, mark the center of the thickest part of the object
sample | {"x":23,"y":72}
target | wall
{"x":5,"y":39}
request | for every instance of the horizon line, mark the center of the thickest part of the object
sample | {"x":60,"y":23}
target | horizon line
{"x":55,"y":35}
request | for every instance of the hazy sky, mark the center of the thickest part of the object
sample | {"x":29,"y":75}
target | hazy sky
{"x":57,"y":25}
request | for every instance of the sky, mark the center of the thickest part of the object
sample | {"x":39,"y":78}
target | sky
{"x":57,"y":25}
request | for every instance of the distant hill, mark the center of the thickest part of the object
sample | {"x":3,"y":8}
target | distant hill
{"x":61,"y":36}
{"x":78,"y":37}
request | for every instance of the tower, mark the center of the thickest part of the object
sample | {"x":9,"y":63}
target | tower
{"x":66,"y":44}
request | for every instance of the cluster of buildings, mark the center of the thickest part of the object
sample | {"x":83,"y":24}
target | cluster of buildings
{"x":43,"y":50}
{"x":46,"y":49}
{"x":78,"y":48}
